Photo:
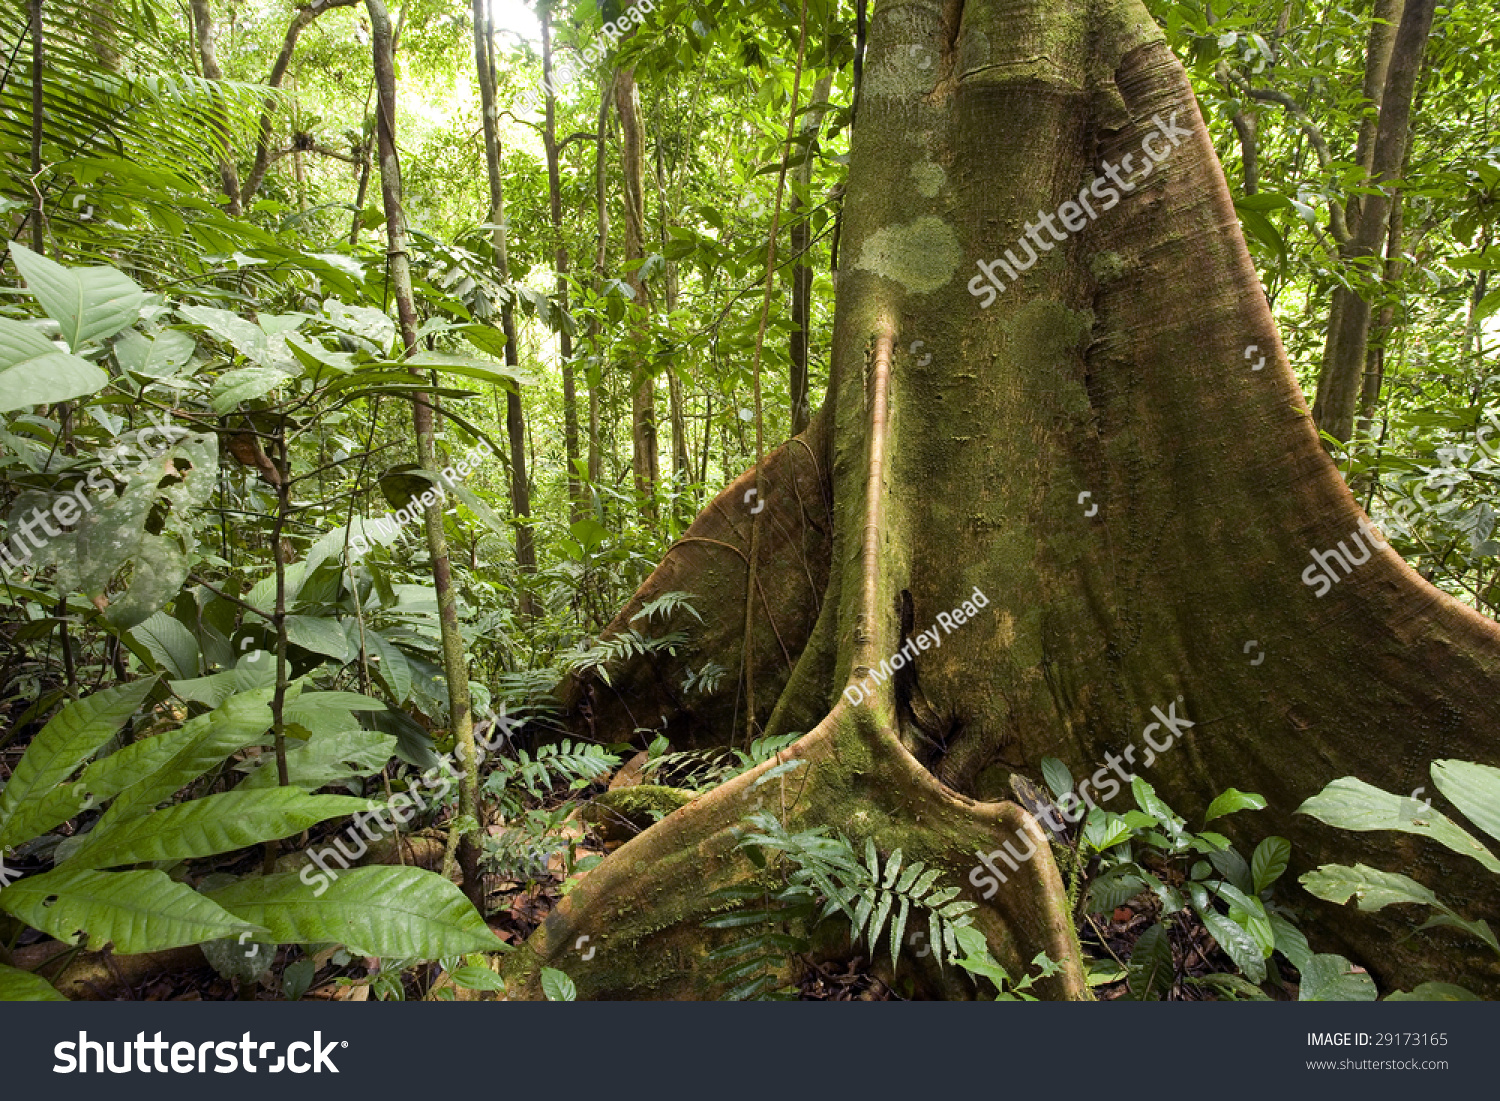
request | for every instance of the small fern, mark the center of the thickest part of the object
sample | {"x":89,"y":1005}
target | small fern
{"x":628,"y":643}
{"x":893,"y":893}
{"x":563,"y":763}
{"x":665,"y":605}
{"x":826,"y":869}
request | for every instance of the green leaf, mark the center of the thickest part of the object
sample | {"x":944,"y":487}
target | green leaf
{"x":1474,"y":789}
{"x":1233,"y":800}
{"x":558,"y":987}
{"x":111,"y":533}
{"x":321,"y":636}
{"x":1290,"y":942}
{"x":69,"y":739}
{"x":211,"y":825}
{"x":22,"y":986}
{"x":141,"y":911}
{"x":34,"y":371}
{"x":244,"y":384}
{"x":1351,"y":804}
{"x":405,"y":913}
{"x":159,"y":569}
{"x":243,"y":336}
{"x":474,"y":977}
{"x":1151,"y":968}
{"x":1372,"y":888}
{"x":162,"y":357}
{"x":1435,"y":992}
{"x":326,"y":759}
{"x":87,"y":303}
{"x":1238,"y":945}
{"x":1330,"y":978}
{"x":152,"y":771}
{"x":1269,"y":861}
{"x":470,"y":367}
{"x":1057,"y":776}
{"x":170,"y":643}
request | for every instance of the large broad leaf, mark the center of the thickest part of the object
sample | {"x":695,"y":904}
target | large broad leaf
{"x":214,"y":689}
{"x":1474,"y":789}
{"x":170,"y":643}
{"x":68,"y":740}
{"x":326,"y":759}
{"x":1328,"y":978}
{"x":557,"y":986}
{"x":377,"y":911}
{"x":1233,"y":800}
{"x":162,"y":357}
{"x":236,"y":723}
{"x":1372,"y":888}
{"x":88,"y":303}
{"x":386,"y":661}
{"x":321,"y":636}
{"x":142,"y":911}
{"x":244,"y":384}
{"x":211,"y":825}
{"x":160,"y":567}
{"x":1351,"y":804}
{"x":243,"y":336}
{"x":470,"y":367}
{"x":111,"y":533}
{"x":33,"y":371}
{"x":22,"y":986}
{"x":1270,"y":859}
{"x":1238,"y":945}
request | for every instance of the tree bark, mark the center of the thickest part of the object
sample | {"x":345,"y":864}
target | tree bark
{"x":578,"y":501}
{"x":515,"y":420}
{"x":455,"y":661}
{"x":1341,"y":376}
{"x":802,"y":272}
{"x":263,"y":155}
{"x":644,"y":459}
{"x":1111,"y":373}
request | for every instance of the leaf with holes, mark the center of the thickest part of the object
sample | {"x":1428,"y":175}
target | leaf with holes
{"x":141,"y":911}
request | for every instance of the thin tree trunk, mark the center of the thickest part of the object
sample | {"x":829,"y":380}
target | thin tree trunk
{"x":229,"y":175}
{"x":38,"y":125}
{"x":682,"y":465}
{"x":1339,"y":381}
{"x":455,"y":661}
{"x":802,"y":273}
{"x":263,"y":156}
{"x":515,"y":421}
{"x":601,"y":253}
{"x":644,"y":460}
{"x":578,"y":500}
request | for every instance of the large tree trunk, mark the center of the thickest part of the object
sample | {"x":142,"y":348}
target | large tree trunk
{"x":1088,"y":448}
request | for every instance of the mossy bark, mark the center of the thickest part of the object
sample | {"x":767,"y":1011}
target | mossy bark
{"x":1095,"y":453}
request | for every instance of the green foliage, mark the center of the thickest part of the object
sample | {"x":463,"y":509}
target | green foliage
{"x":811,"y":875}
{"x":1351,"y":804}
{"x":1150,"y":848}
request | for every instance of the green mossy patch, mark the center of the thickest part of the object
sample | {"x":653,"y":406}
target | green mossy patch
{"x":921,"y":255}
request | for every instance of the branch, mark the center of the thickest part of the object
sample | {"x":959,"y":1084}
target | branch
{"x":263,"y":158}
{"x":1336,"y":222}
